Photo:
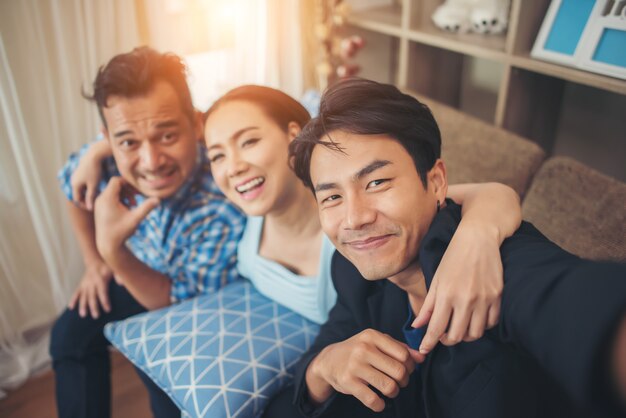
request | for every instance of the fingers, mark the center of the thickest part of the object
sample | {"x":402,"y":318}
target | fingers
{"x":78,"y":195}
{"x":388,"y":374}
{"x":82,"y":304}
{"x":90,"y":196}
{"x":74,"y":299}
{"x":493,"y":316}
{"x":458,"y":326}
{"x":103,"y":297}
{"x":113,"y":187}
{"x":416,"y":355}
{"x":92,"y":303}
{"x":368,"y":397}
{"x":141,"y":211}
{"x":369,"y":360}
{"x":87,"y":299}
{"x":437,"y":326}
{"x":477,"y":325}
{"x":391,"y":348}
{"x":426,"y":311}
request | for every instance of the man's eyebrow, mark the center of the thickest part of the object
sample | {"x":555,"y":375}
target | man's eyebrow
{"x":122,"y":133}
{"x":325,"y":186}
{"x":235,"y":135}
{"x":368,"y":169}
{"x":167,"y":124}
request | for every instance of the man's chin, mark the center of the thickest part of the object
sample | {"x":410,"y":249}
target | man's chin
{"x":371,"y":271}
{"x":161,"y":193}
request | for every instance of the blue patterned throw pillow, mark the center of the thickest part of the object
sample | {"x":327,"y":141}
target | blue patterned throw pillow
{"x":218,"y":355}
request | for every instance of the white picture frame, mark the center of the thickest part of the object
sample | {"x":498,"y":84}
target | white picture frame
{"x":592,"y":23}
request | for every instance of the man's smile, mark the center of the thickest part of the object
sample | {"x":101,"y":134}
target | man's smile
{"x":369,"y":243}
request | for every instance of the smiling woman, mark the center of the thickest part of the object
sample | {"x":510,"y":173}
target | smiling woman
{"x":283,"y":251}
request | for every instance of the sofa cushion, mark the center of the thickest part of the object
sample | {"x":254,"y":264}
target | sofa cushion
{"x":218,"y":355}
{"x":475,"y":151}
{"x":579,"y":208}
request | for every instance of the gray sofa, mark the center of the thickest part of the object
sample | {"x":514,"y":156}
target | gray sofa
{"x":575,"y":206}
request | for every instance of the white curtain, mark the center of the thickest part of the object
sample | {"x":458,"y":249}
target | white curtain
{"x":49,"y":50}
{"x":230,"y":43}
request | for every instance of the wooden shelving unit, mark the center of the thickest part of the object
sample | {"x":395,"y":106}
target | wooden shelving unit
{"x":407,"y":49}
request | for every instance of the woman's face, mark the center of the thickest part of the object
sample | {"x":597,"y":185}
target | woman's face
{"x":249,"y":157}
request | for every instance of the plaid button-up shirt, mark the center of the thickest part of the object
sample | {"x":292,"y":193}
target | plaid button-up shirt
{"x":191,"y":237}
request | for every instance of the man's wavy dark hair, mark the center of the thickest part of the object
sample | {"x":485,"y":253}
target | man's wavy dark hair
{"x":365,"y":107}
{"x":135,"y":73}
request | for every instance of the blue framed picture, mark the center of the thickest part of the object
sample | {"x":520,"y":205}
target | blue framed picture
{"x":586,"y":34}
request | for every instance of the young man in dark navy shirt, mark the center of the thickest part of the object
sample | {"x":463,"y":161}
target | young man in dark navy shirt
{"x":372,"y":159}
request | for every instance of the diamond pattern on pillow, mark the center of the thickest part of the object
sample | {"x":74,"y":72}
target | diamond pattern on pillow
{"x":218,"y":355}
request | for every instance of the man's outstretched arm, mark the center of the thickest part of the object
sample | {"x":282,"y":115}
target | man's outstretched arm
{"x":564,"y":312}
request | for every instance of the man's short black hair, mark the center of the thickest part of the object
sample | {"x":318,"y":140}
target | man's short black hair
{"x":365,"y":107}
{"x":135,"y":73}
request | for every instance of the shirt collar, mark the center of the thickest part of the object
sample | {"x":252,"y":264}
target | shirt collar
{"x":437,"y":239}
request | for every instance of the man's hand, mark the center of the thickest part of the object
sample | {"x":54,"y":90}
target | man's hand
{"x":369,"y":358}
{"x":93,"y":290}
{"x":86,"y":177}
{"x":84,"y":182}
{"x":464,"y":297}
{"x":114,"y":222}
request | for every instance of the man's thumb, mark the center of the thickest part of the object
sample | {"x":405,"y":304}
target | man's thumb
{"x":142,"y":210}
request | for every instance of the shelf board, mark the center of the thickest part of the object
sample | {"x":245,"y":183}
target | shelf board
{"x":472,"y":44}
{"x":385,"y":19}
{"x":574,"y":75}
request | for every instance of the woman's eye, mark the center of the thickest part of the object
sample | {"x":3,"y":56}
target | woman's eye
{"x":250,"y":142}
{"x":215,"y":158}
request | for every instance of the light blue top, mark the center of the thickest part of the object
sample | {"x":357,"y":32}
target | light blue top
{"x":311,"y":297}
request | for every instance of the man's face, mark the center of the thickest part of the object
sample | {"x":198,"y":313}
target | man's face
{"x":154,"y":142}
{"x":372,"y":203}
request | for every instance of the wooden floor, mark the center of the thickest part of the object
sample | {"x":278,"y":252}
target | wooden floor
{"x":36,"y":397}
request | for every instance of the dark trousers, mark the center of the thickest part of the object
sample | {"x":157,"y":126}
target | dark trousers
{"x":281,"y":406}
{"x":82,"y":365}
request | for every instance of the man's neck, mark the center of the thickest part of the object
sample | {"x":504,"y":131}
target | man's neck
{"x":413,"y":282}
{"x":298,"y":219}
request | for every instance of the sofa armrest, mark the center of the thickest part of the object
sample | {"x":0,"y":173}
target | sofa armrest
{"x":579,"y":209}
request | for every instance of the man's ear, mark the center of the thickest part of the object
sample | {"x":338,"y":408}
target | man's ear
{"x":438,"y":180}
{"x":293,"y":130}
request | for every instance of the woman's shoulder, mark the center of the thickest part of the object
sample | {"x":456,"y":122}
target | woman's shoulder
{"x":248,"y":246}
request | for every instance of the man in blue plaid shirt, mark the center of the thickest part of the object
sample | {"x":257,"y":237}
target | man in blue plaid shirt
{"x":160,"y":227}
